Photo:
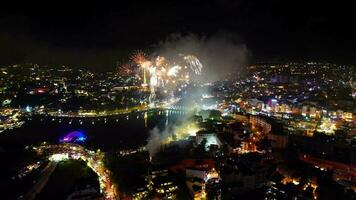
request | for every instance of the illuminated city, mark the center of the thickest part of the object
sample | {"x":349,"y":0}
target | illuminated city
{"x":178,"y":100}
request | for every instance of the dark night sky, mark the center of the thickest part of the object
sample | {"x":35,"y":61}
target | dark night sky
{"x":97,"y":35}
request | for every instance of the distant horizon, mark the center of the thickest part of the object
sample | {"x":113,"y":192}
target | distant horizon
{"x":95,"y":69}
{"x":101,"y":35}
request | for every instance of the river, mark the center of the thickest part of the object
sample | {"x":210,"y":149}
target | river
{"x":105,"y":133}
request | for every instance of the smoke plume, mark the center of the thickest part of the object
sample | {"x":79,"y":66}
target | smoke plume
{"x":221,"y":54}
{"x":181,"y":129}
{"x":154,"y":141}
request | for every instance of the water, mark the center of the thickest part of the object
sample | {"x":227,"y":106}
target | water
{"x":105,"y":133}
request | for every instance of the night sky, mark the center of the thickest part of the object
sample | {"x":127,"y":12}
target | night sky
{"x":98,"y":35}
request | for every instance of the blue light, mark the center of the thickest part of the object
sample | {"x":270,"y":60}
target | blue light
{"x":74,"y":136}
{"x":28,"y":109}
{"x":81,"y":139}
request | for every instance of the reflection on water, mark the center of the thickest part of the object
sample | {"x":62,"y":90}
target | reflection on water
{"x":145,"y":119}
{"x":106,"y":133}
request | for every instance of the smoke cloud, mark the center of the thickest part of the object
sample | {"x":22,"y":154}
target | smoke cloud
{"x":158,"y":138}
{"x":221,"y":54}
{"x":154,"y":141}
{"x":182,"y":128}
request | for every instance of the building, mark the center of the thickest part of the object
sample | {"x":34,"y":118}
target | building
{"x":196,"y":187}
{"x":211,"y":138}
{"x":163,"y":183}
{"x":260,"y":122}
{"x":202,"y":173}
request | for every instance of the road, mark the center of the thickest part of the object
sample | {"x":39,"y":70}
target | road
{"x":41,"y":182}
{"x":94,"y":160}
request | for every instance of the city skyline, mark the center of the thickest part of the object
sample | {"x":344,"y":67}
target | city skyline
{"x":178,"y":100}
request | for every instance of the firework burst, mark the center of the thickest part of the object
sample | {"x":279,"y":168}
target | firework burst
{"x":166,"y":74}
{"x":125,"y":69}
{"x":138,"y":57}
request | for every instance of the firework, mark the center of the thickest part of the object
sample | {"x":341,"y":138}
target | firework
{"x":173,"y":71}
{"x":194,"y":63}
{"x":138,"y":57}
{"x":125,"y":70}
{"x":166,"y":74}
{"x":160,"y":61}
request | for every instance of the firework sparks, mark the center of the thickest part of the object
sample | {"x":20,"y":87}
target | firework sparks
{"x":174,"y":70}
{"x":138,"y":57}
{"x":194,"y":63}
{"x":166,"y":74}
{"x":125,"y":70}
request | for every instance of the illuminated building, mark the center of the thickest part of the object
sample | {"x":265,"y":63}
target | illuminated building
{"x":211,"y":138}
{"x":305,"y":111}
{"x":312,"y":112}
{"x":289,"y":175}
{"x":196,"y":188}
{"x":247,"y":147}
{"x":163,"y":183}
{"x":10,"y":118}
{"x":59,"y":157}
{"x":75,"y":136}
{"x":260,"y":122}
{"x":347,"y":116}
{"x":203,"y":173}
{"x":198,"y":178}
{"x":327,"y":126}
{"x":341,"y":171}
